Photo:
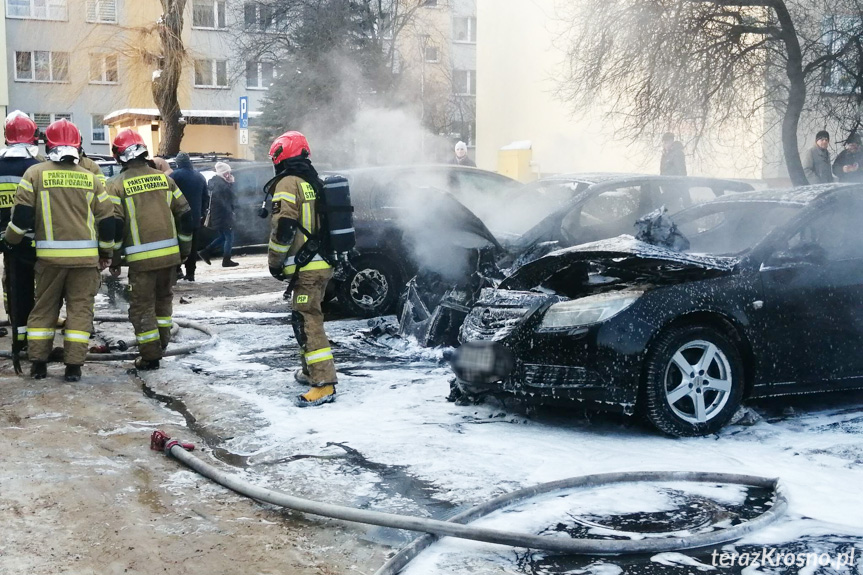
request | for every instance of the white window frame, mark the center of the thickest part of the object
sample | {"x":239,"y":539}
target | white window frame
{"x":256,"y":26}
{"x":50,"y":67}
{"x":52,"y":116}
{"x":215,"y":71}
{"x":216,"y":14}
{"x":459,"y":90}
{"x":471,"y":30}
{"x":55,"y":5}
{"x":103,"y":60}
{"x":431,"y":46}
{"x":260,"y":76}
{"x":97,"y":10}
{"x":93,"y":139}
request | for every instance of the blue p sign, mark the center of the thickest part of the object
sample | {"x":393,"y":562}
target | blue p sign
{"x":244,"y":112}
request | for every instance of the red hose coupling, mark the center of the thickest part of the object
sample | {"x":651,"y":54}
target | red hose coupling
{"x":160,"y":441}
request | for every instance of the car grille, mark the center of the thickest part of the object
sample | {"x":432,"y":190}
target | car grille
{"x":560,"y":376}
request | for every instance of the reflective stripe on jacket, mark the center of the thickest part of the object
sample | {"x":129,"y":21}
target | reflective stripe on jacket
{"x":68,"y":204}
{"x":294,"y":199}
{"x":150,"y":205}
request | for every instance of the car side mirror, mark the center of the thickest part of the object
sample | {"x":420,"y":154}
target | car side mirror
{"x":803,"y":254}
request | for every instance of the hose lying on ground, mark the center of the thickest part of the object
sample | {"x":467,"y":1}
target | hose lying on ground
{"x":455,"y":528}
{"x":127,"y":355}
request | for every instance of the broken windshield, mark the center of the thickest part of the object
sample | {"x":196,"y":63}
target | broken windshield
{"x":731,"y":228}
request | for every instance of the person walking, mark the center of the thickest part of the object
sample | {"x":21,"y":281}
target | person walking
{"x":290,"y":257}
{"x":846,"y":166}
{"x":71,"y":216}
{"x":816,"y":160}
{"x":193,"y":184}
{"x":157,"y":234}
{"x":673,"y":161}
{"x":461,"y":158}
{"x":223,"y":204}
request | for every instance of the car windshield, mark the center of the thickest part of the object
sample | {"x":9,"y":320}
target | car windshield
{"x":520,"y":209}
{"x":728,"y":228}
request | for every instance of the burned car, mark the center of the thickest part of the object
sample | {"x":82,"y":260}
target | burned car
{"x":767,"y":300}
{"x":551,"y":213}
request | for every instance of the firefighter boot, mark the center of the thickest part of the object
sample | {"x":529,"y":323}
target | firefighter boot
{"x":39,"y":370}
{"x":317,"y":396}
{"x":142,"y":364}
{"x":73,"y":373}
{"x":229,"y":263}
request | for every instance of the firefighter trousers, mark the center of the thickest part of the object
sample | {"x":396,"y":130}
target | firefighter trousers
{"x":54,"y":285}
{"x":307,"y":319}
{"x":150,"y":307}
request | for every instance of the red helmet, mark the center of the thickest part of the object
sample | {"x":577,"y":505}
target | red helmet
{"x":289,"y":145}
{"x":62,"y":133}
{"x":128,"y":145}
{"x":20,"y":129}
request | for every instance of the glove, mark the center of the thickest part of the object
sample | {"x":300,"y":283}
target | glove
{"x":278,"y":273}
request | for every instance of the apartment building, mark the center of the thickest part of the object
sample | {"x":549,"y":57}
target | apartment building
{"x":4,"y":83}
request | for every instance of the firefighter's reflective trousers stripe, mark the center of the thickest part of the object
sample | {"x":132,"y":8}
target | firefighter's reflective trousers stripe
{"x":78,"y":287}
{"x":150,"y":308}
{"x":316,"y":356}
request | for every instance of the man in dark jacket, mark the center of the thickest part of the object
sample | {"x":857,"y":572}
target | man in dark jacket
{"x":816,"y":160}
{"x":223,"y":204}
{"x":193,"y":184}
{"x":673,"y":162}
{"x":847,"y":166}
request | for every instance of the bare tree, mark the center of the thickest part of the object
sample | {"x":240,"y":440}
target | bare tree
{"x":705,"y":64}
{"x":166,"y":79}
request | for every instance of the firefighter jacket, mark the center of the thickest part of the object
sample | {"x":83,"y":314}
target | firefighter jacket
{"x":11,"y":170}
{"x":294,"y":201}
{"x":69,"y":211}
{"x":152,"y":210}
{"x":92,"y":167}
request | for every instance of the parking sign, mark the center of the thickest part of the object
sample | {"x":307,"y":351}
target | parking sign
{"x":244,"y":112}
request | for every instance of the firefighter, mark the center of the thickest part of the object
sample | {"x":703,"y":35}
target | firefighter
{"x":22,"y":153}
{"x":157,"y":234}
{"x":294,"y":220}
{"x":72,"y":217}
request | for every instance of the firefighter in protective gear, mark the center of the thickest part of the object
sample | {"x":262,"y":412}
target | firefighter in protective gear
{"x":72,"y":217}
{"x":157,"y":233}
{"x":294,"y":221}
{"x":20,"y":154}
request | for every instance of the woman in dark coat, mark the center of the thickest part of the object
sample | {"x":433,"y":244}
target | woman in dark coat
{"x":223,"y":202}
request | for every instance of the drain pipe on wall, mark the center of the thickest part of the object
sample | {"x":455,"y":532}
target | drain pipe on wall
{"x":455,"y":527}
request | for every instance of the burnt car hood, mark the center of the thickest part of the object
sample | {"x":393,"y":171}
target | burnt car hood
{"x":621,"y":254}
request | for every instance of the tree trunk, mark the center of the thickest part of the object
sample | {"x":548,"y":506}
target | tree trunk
{"x":167,"y":80}
{"x":796,"y":95}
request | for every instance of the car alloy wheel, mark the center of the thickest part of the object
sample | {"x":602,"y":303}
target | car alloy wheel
{"x":698,"y":381}
{"x":693,"y":380}
{"x":369,"y":288}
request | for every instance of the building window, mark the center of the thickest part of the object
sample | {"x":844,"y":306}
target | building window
{"x":842,"y":74}
{"x":258,"y":16}
{"x":44,"y":119}
{"x":42,"y":66}
{"x":37,"y":9}
{"x":209,"y":14}
{"x":99,"y":131}
{"x":211,"y":73}
{"x":429,"y":3}
{"x":102,"y":11}
{"x":464,"y":82}
{"x":259,"y":75}
{"x":431,"y":53}
{"x":103,"y":69}
{"x":464,"y":30}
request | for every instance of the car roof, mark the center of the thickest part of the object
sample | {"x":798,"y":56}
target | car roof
{"x":611,"y":180}
{"x":801,"y":196}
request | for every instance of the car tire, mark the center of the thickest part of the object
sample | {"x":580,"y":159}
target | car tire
{"x":371,"y":289}
{"x":701,"y":401}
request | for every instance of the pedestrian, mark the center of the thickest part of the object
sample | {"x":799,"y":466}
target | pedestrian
{"x":71,"y":216}
{"x":193,"y":184}
{"x":157,"y":233}
{"x":20,"y":154}
{"x":223,"y":204}
{"x":816,"y":160}
{"x":461,"y":158}
{"x":673,"y":162}
{"x":846,"y":166}
{"x":290,"y":257}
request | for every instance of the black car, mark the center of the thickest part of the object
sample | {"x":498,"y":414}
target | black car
{"x":554,"y":212}
{"x":766,"y":301}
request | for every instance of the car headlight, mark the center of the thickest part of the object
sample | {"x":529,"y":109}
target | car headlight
{"x":587,"y":310}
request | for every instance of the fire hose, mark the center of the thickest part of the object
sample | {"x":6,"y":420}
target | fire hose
{"x":128,"y":355}
{"x":455,"y":527}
